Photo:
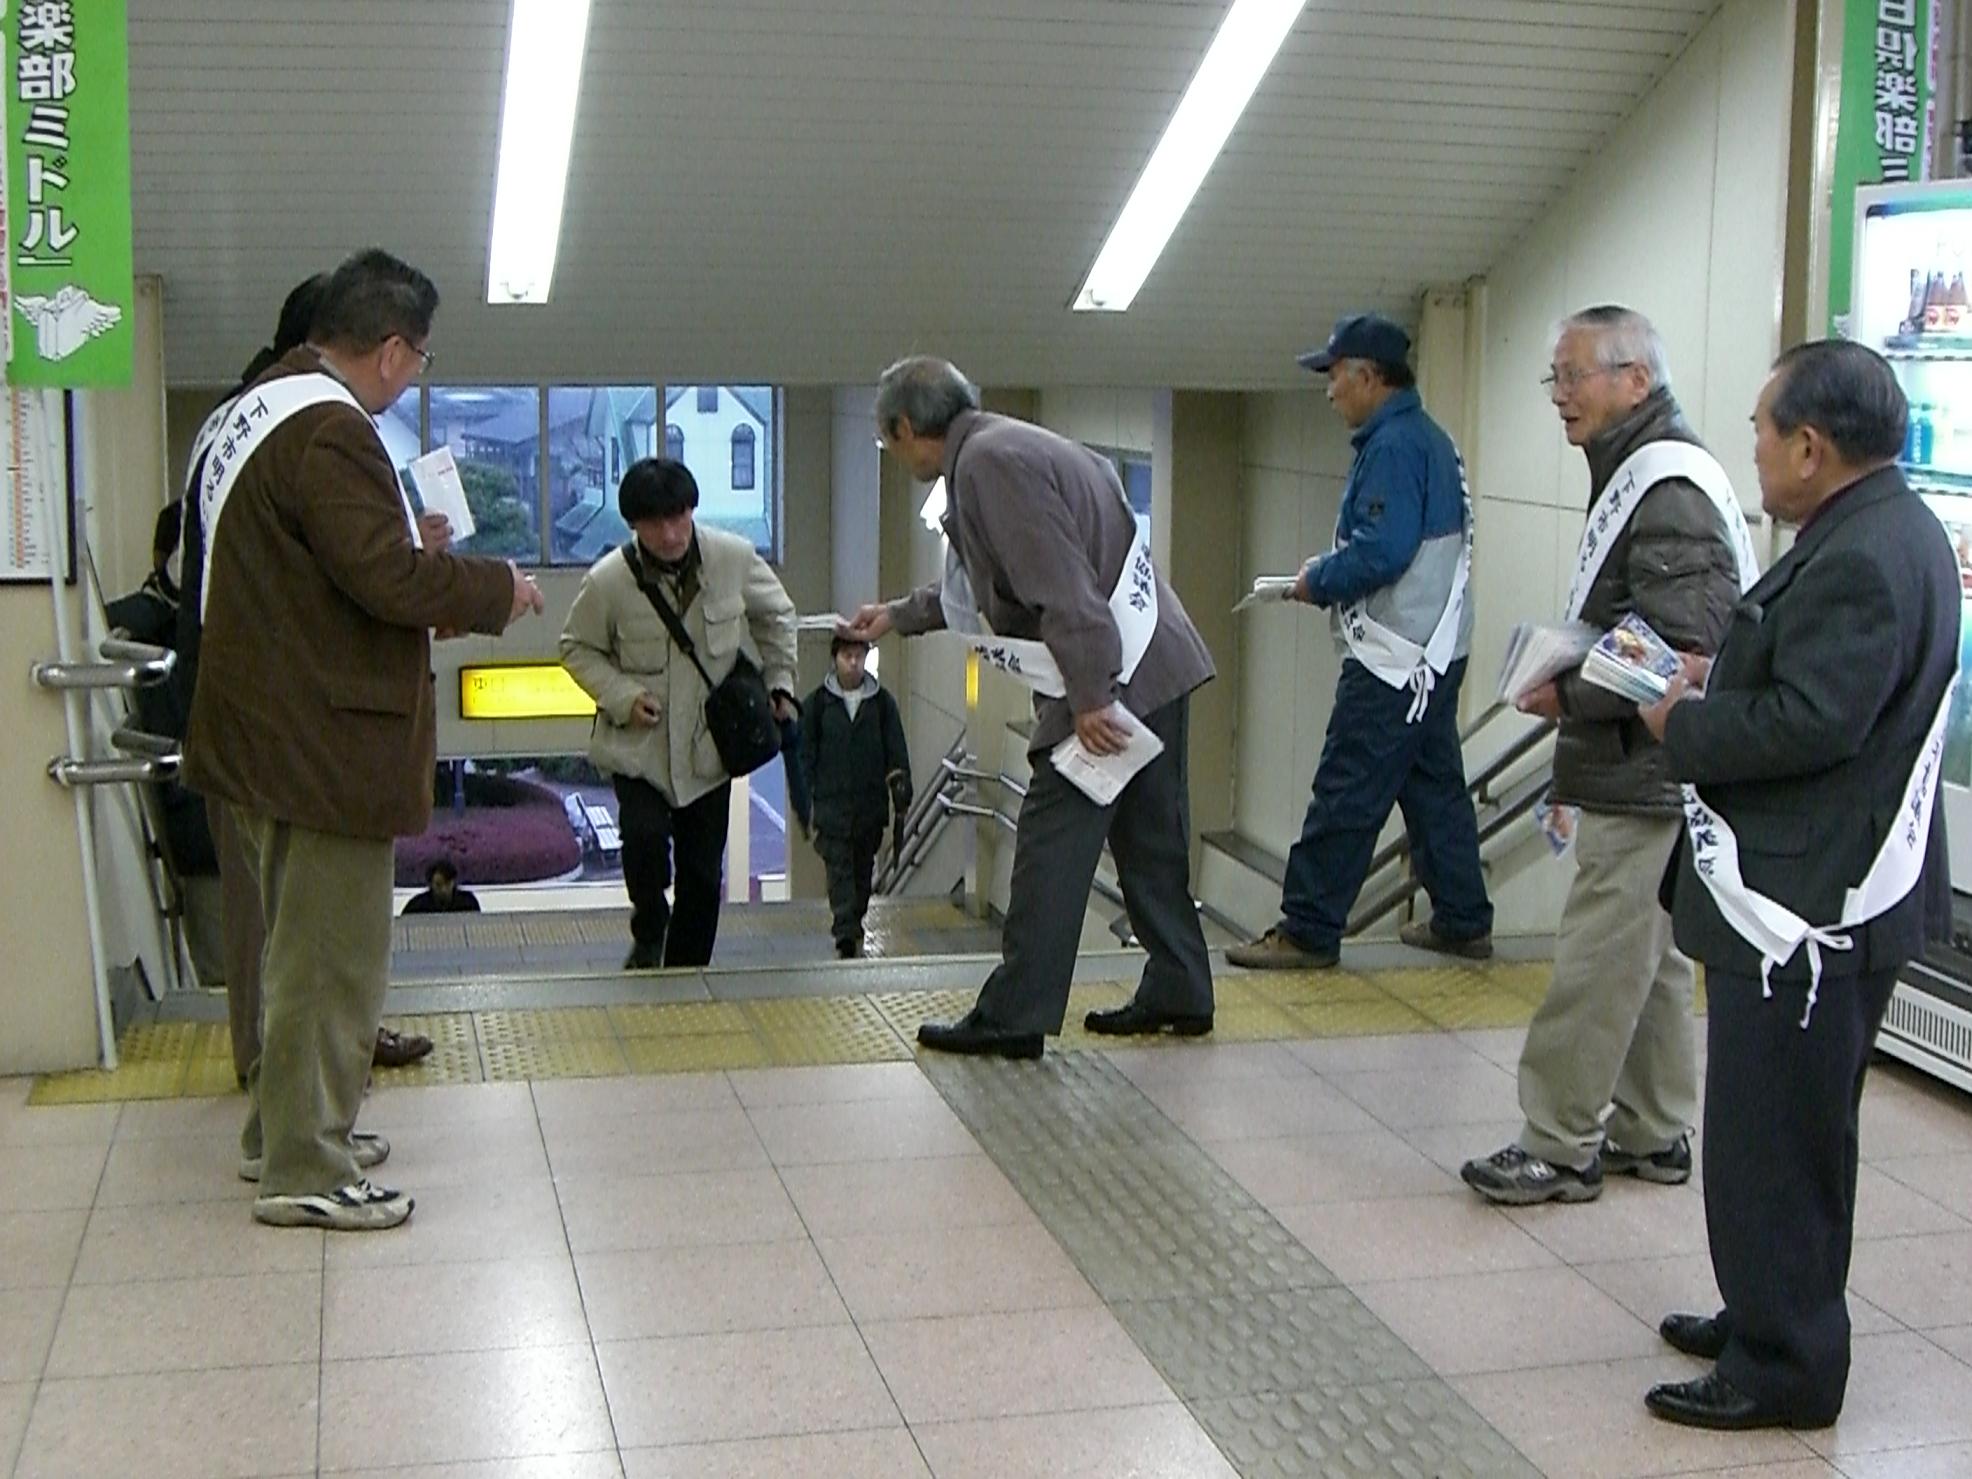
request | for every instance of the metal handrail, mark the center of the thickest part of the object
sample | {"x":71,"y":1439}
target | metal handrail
{"x":125,"y":665}
{"x":139,"y":742}
{"x":974,"y":809}
{"x":69,"y":772}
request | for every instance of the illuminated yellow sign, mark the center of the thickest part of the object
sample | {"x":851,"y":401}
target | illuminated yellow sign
{"x":522,"y":690}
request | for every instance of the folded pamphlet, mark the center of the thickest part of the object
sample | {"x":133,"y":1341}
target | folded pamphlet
{"x":1268,"y":590}
{"x":442,"y":491}
{"x":1102,"y":777}
{"x":828,"y":622}
{"x":1538,"y":654}
{"x":1633,"y":661}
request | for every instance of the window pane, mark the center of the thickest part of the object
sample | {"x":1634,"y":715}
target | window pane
{"x":1133,"y":468}
{"x":495,"y":436}
{"x":711,"y":450}
{"x":398,"y":426}
{"x":594,"y":433}
{"x":674,"y":443}
{"x":744,"y":444}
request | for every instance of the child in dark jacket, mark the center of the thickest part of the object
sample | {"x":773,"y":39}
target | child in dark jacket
{"x":858,"y":772}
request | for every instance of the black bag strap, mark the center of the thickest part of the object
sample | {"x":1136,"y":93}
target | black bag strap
{"x":673,"y":623}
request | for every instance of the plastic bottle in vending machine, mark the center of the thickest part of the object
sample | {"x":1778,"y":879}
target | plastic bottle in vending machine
{"x":1921,"y":435}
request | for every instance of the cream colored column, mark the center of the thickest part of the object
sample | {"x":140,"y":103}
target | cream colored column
{"x":1195,"y":536}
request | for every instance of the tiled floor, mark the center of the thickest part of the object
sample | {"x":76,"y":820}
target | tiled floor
{"x":819,"y":1271}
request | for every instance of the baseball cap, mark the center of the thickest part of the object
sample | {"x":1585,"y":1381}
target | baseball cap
{"x":1368,"y":336}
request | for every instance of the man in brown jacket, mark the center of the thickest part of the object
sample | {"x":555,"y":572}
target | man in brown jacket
{"x":1047,"y":567}
{"x":313,"y":717}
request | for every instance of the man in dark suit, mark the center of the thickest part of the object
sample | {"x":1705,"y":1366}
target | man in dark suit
{"x":1814,"y":867}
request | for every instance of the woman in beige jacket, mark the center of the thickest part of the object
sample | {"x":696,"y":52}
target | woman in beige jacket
{"x":650,"y":734}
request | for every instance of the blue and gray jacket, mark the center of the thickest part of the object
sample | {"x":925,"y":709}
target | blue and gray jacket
{"x":1402,"y":525}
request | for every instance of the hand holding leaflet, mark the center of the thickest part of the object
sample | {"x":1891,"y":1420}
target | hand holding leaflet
{"x":1268,"y":590}
{"x":442,"y":491}
{"x":1102,"y":777}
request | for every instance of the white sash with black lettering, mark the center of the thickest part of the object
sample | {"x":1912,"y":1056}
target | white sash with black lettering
{"x":1777,"y":931}
{"x":244,"y":427}
{"x":1133,"y":605}
{"x":1641,"y":471}
{"x":1397,"y":660}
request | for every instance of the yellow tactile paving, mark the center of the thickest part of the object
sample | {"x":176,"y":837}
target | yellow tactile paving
{"x":495,"y":932}
{"x":702,"y":1052}
{"x":551,"y":929}
{"x":524,"y":1056}
{"x":679,"y":1019}
{"x":440,"y":934}
{"x":184,"y":1059}
{"x":551,"y":1024}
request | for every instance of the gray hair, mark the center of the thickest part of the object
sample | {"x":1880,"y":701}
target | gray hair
{"x":1623,"y":337}
{"x":928,"y":392}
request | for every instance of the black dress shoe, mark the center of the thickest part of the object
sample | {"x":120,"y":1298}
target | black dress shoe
{"x":644,"y":958}
{"x":969,"y":1035}
{"x":1695,"y":1335}
{"x":1713,"y":1402}
{"x":1132,"y":1020}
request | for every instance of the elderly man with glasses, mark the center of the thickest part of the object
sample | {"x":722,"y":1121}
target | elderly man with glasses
{"x":1609,"y":1073}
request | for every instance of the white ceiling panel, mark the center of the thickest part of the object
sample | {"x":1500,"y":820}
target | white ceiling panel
{"x":799,"y":191}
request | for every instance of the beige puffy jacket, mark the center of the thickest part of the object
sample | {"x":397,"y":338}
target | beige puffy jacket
{"x":616,"y":647}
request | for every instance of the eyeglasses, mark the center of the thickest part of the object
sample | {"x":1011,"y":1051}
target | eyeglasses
{"x":424,"y":354}
{"x":1569,"y":379}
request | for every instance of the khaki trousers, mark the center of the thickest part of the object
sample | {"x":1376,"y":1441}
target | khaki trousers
{"x":1613,"y":1040}
{"x":243,"y":939}
{"x":326,"y":902}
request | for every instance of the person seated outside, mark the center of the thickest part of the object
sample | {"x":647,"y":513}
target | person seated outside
{"x":442,"y":894}
{"x":858,"y":771}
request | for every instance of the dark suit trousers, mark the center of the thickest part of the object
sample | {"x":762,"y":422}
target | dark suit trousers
{"x":654,"y":832}
{"x":1780,"y":1153}
{"x":850,"y":858}
{"x":1061,"y":837}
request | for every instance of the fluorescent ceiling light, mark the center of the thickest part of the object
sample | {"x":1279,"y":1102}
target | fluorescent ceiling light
{"x":1248,"y":39}
{"x":545,"y":42}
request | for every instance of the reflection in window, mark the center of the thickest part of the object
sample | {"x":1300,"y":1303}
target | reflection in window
{"x":674,"y":443}
{"x":594,"y":433}
{"x":732,"y":451}
{"x":495,"y":436}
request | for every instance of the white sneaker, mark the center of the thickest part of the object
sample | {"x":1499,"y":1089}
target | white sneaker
{"x":365,"y":1149}
{"x":358,"y":1207}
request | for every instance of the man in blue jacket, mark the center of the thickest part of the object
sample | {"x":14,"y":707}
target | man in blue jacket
{"x":1396,"y":587}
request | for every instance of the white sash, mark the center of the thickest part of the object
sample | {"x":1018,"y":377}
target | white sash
{"x":1133,"y":605}
{"x":1641,"y":471}
{"x":243,"y":428}
{"x":1397,"y":660}
{"x":1775,"y":930}
{"x":208,"y":434}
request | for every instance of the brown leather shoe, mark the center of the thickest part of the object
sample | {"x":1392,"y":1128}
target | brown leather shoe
{"x":1423,"y":937}
{"x":1277,"y":950}
{"x":399,"y":1050}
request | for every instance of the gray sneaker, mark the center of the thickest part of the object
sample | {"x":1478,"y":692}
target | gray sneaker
{"x":1668,"y":1167}
{"x":1513,"y":1178}
{"x":1422,"y":936}
{"x":357,"y":1207}
{"x":365,"y":1149}
{"x":1276,"y":950}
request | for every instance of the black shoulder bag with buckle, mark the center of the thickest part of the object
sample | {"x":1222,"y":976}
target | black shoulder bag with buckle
{"x":739,"y":712}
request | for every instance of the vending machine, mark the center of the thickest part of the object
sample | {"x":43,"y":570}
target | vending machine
{"x":1913,"y":246}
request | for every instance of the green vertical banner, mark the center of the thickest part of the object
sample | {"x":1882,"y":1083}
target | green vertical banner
{"x":67,"y":288}
{"x":1885,"y":118}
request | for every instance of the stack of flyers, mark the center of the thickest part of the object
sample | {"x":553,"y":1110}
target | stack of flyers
{"x":1268,"y":590}
{"x":827,"y":621}
{"x":1539,"y":654}
{"x":1632,"y":661}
